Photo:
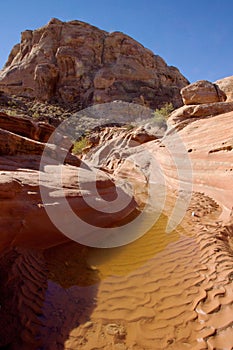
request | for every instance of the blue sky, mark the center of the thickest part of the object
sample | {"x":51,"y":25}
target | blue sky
{"x":195,"y":36}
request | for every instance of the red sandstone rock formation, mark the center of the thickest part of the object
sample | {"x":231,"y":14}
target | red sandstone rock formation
{"x":75,"y":62}
{"x":203,"y":99}
{"x":26,"y":127}
{"x":226,"y":85}
{"x":202,"y":92}
{"x":27,"y":231}
{"x":189,"y":113}
{"x":37,"y":314}
{"x":28,"y":313}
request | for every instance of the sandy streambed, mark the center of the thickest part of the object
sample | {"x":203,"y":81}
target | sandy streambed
{"x":163,"y":291}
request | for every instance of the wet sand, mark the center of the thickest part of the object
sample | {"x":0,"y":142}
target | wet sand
{"x":163,"y":291}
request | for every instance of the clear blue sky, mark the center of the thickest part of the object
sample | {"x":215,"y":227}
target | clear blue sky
{"x":195,"y":36}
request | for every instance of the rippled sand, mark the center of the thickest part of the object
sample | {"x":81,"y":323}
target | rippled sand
{"x":164,"y":291}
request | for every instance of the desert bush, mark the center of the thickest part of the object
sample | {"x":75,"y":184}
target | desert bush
{"x":79,"y":145}
{"x":164,"y":111}
{"x":11,"y":112}
{"x":36,"y":115}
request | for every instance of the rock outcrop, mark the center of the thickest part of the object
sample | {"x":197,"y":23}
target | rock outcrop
{"x":206,"y":139}
{"x":27,"y":231}
{"x":202,"y":91}
{"x":43,"y":304}
{"x":189,"y":113}
{"x":226,"y":85}
{"x":203,"y":99}
{"x":21,"y":166}
{"x":77,"y":63}
{"x":26,"y":127}
{"x":206,"y":130}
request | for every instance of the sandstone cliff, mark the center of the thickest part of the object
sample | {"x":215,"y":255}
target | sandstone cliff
{"x":77,"y":63}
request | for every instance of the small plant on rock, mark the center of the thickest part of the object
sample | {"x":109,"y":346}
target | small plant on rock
{"x":79,"y":145}
{"x":164,"y":111}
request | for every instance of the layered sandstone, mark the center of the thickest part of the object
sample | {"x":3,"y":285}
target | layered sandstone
{"x":186,"y":298}
{"x":203,"y":99}
{"x":226,"y":85}
{"x":181,"y":282}
{"x":26,"y":229}
{"x":176,"y":288}
{"x":202,"y":91}
{"x":57,"y":281}
{"x":77,"y":63}
{"x":21,"y":167}
{"x":26,"y":127}
{"x":186,"y":114}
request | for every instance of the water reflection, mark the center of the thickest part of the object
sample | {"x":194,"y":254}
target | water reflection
{"x":77,"y":272}
{"x":73,"y":264}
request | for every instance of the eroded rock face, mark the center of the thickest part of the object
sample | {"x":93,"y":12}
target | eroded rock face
{"x":24,"y":271}
{"x":202,"y":99}
{"x":26,"y":230}
{"x":226,"y":85}
{"x":75,"y":62}
{"x":199,"y":111}
{"x":202,"y":91}
{"x":21,"y":179}
{"x":43,"y":308}
{"x":26,"y":127}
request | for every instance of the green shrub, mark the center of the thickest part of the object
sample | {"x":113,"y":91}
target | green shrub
{"x":35,"y":115}
{"x":129,"y":127}
{"x":79,"y":145}
{"x":164,"y":111}
{"x":11,"y":112}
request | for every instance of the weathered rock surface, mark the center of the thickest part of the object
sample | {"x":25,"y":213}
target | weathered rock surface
{"x":189,"y":113}
{"x":21,"y":165}
{"x":26,"y":127}
{"x":205,"y":131}
{"x":202,"y":91}
{"x":26,"y":230}
{"x":23,"y":271}
{"x":75,"y":62}
{"x":50,"y":309}
{"x":23,"y":137}
{"x":226,"y":85}
{"x":208,"y":144}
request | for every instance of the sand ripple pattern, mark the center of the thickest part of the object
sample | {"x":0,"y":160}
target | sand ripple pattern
{"x":179,"y":299}
{"x":163,"y":291}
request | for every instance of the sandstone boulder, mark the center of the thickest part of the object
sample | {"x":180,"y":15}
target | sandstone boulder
{"x":79,"y":64}
{"x":202,"y":91}
{"x":226,"y":85}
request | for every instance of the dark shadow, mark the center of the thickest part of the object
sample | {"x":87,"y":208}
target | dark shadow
{"x":44,"y":295}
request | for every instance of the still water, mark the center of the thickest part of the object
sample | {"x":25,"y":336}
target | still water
{"x":141,"y":295}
